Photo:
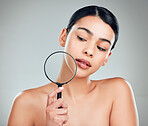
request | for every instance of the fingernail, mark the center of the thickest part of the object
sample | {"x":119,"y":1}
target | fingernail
{"x":61,"y":88}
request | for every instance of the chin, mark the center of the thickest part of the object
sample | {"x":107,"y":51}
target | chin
{"x":82,"y":74}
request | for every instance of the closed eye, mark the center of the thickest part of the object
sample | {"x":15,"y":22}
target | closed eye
{"x":100,"y":48}
{"x":81,"y":39}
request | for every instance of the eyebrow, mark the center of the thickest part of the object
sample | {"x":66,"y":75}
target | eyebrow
{"x":89,"y":32}
{"x":103,"y":39}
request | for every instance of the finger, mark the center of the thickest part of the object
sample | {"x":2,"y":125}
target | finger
{"x":64,"y":122}
{"x":58,"y":103}
{"x":64,"y":119}
{"x":61,"y":119}
{"x":52,"y":95}
{"x":64,"y":105}
{"x":61,"y":111}
{"x":50,"y":100}
{"x":54,"y":92}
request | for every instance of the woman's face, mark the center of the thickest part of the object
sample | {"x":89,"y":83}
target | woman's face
{"x":89,"y":42}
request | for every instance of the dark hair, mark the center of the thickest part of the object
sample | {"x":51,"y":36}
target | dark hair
{"x":101,"y":12}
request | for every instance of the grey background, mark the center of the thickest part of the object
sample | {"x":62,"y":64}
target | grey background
{"x":29,"y":31}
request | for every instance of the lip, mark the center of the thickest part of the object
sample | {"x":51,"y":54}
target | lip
{"x":83,"y":63}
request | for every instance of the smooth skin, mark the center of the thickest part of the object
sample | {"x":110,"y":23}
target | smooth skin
{"x":107,"y":102}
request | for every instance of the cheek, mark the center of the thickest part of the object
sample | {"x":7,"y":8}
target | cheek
{"x":72,"y":44}
{"x":68,"y":45}
{"x":99,"y":60}
{"x":97,"y":66}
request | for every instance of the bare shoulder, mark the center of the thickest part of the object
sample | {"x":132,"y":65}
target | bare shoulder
{"x":29,"y":98}
{"x":119,"y":82}
{"x":27,"y":104}
{"x":116,"y":84}
{"x":32,"y":97}
{"x":124,"y":111}
{"x":120,"y":87}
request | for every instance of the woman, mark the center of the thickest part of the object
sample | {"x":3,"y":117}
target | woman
{"x":90,"y":36}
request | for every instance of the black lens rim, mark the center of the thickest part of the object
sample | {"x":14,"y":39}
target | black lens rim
{"x":45,"y":72}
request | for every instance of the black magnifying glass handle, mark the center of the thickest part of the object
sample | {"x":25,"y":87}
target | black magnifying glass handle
{"x":59,"y":95}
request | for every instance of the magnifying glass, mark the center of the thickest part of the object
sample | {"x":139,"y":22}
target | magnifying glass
{"x":60,"y":68}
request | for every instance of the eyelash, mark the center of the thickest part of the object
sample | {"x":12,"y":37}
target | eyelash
{"x":82,"y":39}
{"x":101,"y":49}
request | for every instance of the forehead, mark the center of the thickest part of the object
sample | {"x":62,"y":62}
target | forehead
{"x":96,"y":25}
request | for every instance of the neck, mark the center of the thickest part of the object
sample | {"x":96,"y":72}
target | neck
{"x":77,"y":88}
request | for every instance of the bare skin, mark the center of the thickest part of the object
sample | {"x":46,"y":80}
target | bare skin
{"x":107,"y":102}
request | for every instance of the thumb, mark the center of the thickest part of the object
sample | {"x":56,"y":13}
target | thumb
{"x":52,"y":95}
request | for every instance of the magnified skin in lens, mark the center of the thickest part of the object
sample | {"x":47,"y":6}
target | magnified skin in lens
{"x":57,"y":65}
{"x":63,"y":74}
{"x":70,"y":63}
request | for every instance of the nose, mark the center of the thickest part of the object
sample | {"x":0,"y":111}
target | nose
{"x":88,"y":52}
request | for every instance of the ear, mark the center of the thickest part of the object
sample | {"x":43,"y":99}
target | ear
{"x":62,"y":38}
{"x":106,"y":60}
